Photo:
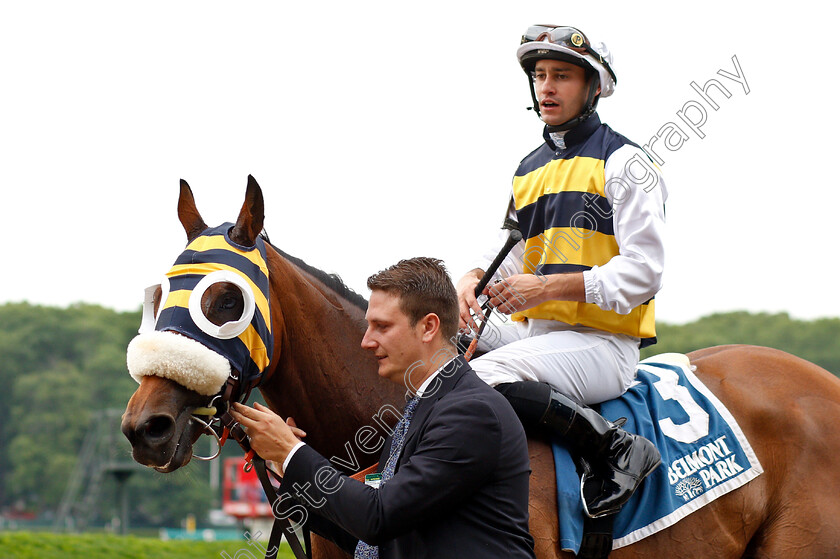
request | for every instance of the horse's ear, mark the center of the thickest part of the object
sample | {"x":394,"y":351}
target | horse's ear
{"x":188,"y":213}
{"x":250,"y":221}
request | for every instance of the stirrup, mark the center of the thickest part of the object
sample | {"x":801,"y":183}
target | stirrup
{"x":589,"y":475}
{"x":586,"y":476}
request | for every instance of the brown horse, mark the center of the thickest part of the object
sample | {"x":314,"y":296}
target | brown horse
{"x":788,"y":408}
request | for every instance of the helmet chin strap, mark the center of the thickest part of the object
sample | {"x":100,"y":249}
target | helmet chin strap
{"x":589,"y":106}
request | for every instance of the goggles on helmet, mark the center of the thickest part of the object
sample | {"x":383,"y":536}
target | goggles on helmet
{"x":567,"y":37}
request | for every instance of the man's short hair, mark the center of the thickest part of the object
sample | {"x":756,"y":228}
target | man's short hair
{"x":423,"y":286}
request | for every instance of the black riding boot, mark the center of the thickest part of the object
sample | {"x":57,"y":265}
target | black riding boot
{"x":621,"y":458}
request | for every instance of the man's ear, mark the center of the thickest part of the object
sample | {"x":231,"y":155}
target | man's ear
{"x":430,"y":327}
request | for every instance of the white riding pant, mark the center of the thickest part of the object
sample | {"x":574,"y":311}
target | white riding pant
{"x":587,"y":365}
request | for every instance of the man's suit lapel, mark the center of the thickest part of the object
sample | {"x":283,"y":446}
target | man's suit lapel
{"x":448,"y":378}
{"x":445,"y":381}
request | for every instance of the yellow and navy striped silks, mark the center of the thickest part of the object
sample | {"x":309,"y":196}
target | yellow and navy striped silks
{"x":566,"y":219}
{"x":250,"y":351}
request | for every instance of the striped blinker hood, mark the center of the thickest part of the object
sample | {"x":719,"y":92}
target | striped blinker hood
{"x":245,"y":343}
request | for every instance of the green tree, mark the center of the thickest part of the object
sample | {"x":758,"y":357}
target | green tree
{"x":815,"y":341}
{"x":58,"y":367}
{"x":49,"y":421}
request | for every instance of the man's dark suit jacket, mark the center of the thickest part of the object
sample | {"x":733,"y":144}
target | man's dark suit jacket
{"x":460,"y":488}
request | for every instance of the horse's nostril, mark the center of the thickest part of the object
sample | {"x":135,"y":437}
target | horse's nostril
{"x":158,"y":427}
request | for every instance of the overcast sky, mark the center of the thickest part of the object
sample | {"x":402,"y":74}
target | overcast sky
{"x":380,"y":131}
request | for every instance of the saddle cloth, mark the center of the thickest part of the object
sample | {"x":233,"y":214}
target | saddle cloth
{"x":704,"y":453}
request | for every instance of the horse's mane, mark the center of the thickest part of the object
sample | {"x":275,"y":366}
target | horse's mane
{"x":332,"y":281}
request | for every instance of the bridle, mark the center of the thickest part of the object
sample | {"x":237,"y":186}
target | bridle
{"x":220,"y":423}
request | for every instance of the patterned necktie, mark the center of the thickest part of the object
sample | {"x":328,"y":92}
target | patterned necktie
{"x":363,"y":550}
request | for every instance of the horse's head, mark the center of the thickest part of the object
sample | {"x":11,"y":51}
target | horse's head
{"x":205,"y":336}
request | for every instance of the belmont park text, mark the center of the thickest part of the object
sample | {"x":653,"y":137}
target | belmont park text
{"x":715,"y":463}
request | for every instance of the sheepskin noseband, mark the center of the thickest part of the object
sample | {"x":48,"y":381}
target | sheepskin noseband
{"x":177,"y":358}
{"x":181,"y":344}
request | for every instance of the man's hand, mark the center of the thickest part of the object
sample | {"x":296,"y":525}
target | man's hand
{"x":520,"y":292}
{"x":517,"y":293}
{"x":270,"y":436}
{"x":467,"y":300}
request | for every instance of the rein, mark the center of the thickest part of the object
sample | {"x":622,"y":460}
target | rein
{"x":229,"y":428}
{"x":513,"y":237}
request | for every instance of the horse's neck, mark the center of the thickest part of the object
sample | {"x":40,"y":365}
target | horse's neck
{"x":322,"y":377}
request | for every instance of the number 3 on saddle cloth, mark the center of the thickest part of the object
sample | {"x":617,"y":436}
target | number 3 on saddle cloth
{"x":704,"y":453}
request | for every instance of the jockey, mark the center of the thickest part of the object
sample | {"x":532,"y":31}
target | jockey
{"x":580,"y":284}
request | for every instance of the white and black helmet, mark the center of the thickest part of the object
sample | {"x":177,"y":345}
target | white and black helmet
{"x":568,"y":44}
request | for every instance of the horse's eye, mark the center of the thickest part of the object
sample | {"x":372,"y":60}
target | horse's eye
{"x":229,"y":302}
{"x":222,"y":304}
{"x":156,"y":299}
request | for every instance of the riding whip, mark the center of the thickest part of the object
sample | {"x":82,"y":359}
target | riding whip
{"x":513,"y":237}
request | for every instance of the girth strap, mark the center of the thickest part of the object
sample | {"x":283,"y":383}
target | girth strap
{"x":597,"y":540}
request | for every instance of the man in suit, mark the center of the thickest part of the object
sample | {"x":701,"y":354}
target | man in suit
{"x":454,"y":473}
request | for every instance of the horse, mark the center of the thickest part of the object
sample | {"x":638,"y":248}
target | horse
{"x":788,"y":408}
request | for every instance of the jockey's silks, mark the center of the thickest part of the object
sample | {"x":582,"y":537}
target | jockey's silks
{"x":212,"y":257}
{"x":566,"y":219}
